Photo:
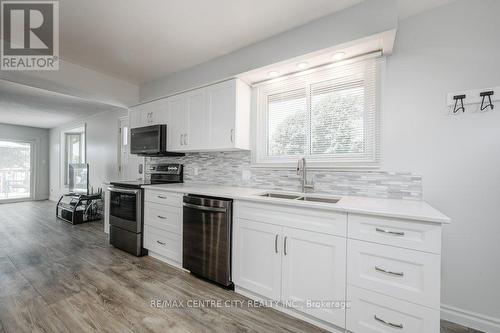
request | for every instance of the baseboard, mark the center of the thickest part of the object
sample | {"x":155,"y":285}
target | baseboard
{"x":470,"y":319}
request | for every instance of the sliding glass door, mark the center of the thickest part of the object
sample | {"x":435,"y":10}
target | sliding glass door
{"x":15,"y":170}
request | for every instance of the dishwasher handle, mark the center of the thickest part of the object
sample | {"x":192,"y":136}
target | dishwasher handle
{"x":205,"y":208}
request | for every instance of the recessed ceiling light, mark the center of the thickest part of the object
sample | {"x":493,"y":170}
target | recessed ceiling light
{"x":303,"y":65}
{"x":273,"y":73}
{"x":338,"y":55}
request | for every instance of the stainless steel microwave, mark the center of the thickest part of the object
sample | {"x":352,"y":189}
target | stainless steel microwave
{"x":150,"y":141}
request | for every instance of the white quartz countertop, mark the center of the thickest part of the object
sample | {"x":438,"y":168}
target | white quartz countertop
{"x":407,"y":209}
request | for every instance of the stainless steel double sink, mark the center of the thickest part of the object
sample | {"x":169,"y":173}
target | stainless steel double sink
{"x":301,"y":197}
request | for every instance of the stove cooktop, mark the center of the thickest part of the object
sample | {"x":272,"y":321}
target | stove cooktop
{"x":163,"y":173}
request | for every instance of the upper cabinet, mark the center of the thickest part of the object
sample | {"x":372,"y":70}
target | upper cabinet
{"x":212,"y":118}
{"x":148,"y":114}
{"x":228,"y":106}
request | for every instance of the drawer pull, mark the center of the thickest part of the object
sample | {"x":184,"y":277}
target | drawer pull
{"x":161,"y":197}
{"x":284,"y":246}
{"x":388,"y":323}
{"x":276,"y":244}
{"x":385,"y":231}
{"x":389,"y":272}
{"x":162,"y":217}
{"x":161,"y":243}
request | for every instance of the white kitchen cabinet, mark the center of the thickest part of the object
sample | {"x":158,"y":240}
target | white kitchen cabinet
{"x":134,"y":116}
{"x":287,"y":264}
{"x":228,"y":105}
{"x":147,"y":114}
{"x":197,"y":129}
{"x":163,"y":226}
{"x":389,"y":267}
{"x":213,"y":118}
{"x":257,"y":257}
{"x":177,"y":126}
{"x":405,"y":274}
{"x":314,"y":270}
{"x":372,"y":312}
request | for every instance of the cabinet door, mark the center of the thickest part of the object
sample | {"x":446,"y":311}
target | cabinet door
{"x":155,"y":112}
{"x":257,"y":258}
{"x":196,"y":131}
{"x":135,"y":117}
{"x":178,"y":124}
{"x":314,"y":269}
{"x":221,"y":109}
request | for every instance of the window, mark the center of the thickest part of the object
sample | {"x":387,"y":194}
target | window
{"x":15,"y":170}
{"x":73,"y":141}
{"x":328,"y":115}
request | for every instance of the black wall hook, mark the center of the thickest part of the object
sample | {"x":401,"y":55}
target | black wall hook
{"x":461,"y":98}
{"x":483,"y":95}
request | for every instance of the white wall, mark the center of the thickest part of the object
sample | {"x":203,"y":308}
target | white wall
{"x":102,"y":150}
{"x":40,"y":138}
{"x":341,"y":27}
{"x":451,"y":48}
{"x":447,"y":49}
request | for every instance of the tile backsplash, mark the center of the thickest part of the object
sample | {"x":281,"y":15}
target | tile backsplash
{"x":234,"y":169}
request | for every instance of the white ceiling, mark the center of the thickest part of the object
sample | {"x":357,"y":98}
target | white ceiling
{"x":139,"y":41}
{"x":143,"y":40}
{"x":27,"y":106}
{"x":408,"y":8}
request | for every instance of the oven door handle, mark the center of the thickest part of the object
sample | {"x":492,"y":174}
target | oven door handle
{"x":209,"y":209}
{"x":122,"y":190}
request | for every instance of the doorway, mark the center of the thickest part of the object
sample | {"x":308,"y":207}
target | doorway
{"x":15,"y":170}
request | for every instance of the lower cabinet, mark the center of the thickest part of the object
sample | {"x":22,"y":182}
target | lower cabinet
{"x":166,"y":244}
{"x":314,"y":274}
{"x":163,"y":226}
{"x":372,"y":312}
{"x":257,"y":257}
{"x":304,"y":270}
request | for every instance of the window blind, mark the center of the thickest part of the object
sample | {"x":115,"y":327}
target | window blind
{"x":328,"y":115}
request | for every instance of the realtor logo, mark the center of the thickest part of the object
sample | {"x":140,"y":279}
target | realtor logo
{"x":30,"y":35}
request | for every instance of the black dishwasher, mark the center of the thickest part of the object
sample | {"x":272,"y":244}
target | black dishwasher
{"x":206,"y":244}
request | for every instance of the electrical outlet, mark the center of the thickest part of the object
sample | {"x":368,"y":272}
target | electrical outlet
{"x":195,"y":171}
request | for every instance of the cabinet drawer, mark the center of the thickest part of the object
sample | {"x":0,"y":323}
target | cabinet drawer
{"x":312,"y":219}
{"x":406,"y":274}
{"x":162,"y":197}
{"x":374,"y":313}
{"x":163,"y":242}
{"x":163,"y":217}
{"x":397,"y":232}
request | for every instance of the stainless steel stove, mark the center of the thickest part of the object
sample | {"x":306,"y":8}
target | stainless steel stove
{"x":126,"y":215}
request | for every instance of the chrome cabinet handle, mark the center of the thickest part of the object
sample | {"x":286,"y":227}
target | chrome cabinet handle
{"x":388,"y":323}
{"x":161,"y":243}
{"x":276,"y":244}
{"x":180,"y":139}
{"x":388,"y":272}
{"x":232,"y":135}
{"x":385,"y":231}
{"x":185,"y":139}
{"x":284,"y":246}
{"x":162,"y":217}
{"x":161,"y":197}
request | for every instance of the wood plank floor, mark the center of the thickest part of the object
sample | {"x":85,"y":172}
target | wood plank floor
{"x":56,"y":277}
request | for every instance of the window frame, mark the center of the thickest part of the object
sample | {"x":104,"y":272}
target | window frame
{"x":305,"y":79}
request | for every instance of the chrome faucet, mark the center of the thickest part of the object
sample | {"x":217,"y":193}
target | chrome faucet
{"x":302,"y":171}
